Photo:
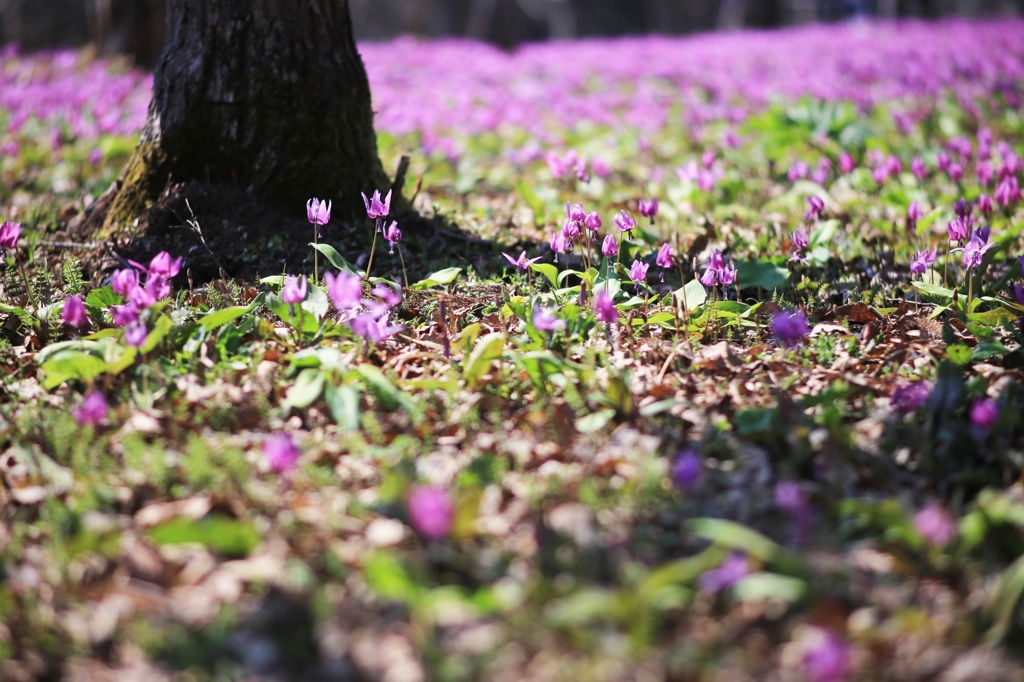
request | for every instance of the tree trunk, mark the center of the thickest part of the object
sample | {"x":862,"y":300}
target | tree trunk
{"x":269,"y":96}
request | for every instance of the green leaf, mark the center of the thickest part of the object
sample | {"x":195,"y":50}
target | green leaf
{"x":933,"y":290}
{"x":306,"y":389}
{"x":219,"y":318}
{"x":381,"y":388}
{"x":389,"y":578}
{"x":595,"y":421}
{"x":959,"y":353}
{"x":763,"y":275}
{"x":71,"y":364}
{"x":343,"y":402}
{"x":22,"y":314}
{"x":336,"y":259}
{"x":987,"y":349}
{"x":486,"y":349}
{"x":548,"y":270}
{"x":316,"y":303}
{"x":232,"y":538}
{"x":101,"y":298}
{"x":1004,"y":604}
{"x":759,"y":586}
{"x":446,"y":276}
{"x":157,"y":334}
{"x":582,"y":608}
{"x":738,"y":537}
{"x":691,"y":296}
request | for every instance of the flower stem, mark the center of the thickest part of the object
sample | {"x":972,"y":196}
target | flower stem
{"x":373,"y":246}
{"x":405,"y":276}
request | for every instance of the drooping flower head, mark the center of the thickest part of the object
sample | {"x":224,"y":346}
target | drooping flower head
{"x":610,"y":247}
{"x":345,"y":290}
{"x":545,"y":320}
{"x":816,"y":205}
{"x":375,"y":208}
{"x":281,"y":453}
{"x":664,"y":257}
{"x":390,"y":295}
{"x":649,"y":209}
{"x":923,"y":260}
{"x":93,"y":409}
{"x":124,"y":281}
{"x":393,"y":235}
{"x":294,"y":290}
{"x":73,"y":314}
{"x":575,"y":212}
{"x":846,"y":163}
{"x":975,"y":250}
{"x":604,"y":307}
{"x":985,"y":204}
{"x":9,"y":233}
{"x":790,"y":327}
{"x":686,"y":469}
{"x":558,"y":243}
{"x":625,"y":222}
{"x":135,"y":334}
{"x":592,"y":222}
{"x":319,"y":212}
{"x":985,"y":413}
{"x":638,"y":271}
{"x":914,"y":213}
{"x":957,"y":229}
{"x":431,"y":511}
{"x":826,"y":656}
{"x":164,"y":265}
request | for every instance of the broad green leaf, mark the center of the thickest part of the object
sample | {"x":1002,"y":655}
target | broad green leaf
{"x":959,"y":353}
{"x":691,"y":296}
{"x":548,"y":270}
{"x":71,"y":364}
{"x":157,"y":334}
{"x":22,"y":314}
{"x":306,"y":389}
{"x":336,"y":259}
{"x":486,"y":349}
{"x":446,"y":276}
{"x":232,"y":538}
{"x":380,"y":387}
{"x":102,"y":298}
{"x":758,"y":586}
{"x":219,"y":318}
{"x":316,"y":303}
{"x":738,"y":537}
{"x":595,"y":421}
{"x":343,"y":402}
{"x":761,"y":274}
{"x":389,"y":578}
{"x":933,"y":290}
{"x":582,"y":608}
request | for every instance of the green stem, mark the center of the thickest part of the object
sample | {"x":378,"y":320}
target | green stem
{"x":373,"y":246}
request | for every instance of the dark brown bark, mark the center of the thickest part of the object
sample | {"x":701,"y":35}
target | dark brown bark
{"x":269,"y":96}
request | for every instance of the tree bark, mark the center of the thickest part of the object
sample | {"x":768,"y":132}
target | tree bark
{"x":269,"y":96}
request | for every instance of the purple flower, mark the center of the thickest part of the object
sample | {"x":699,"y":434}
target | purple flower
{"x":975,"y":250}
{"x":664,"y":257}
{"x":294,"y":290}
{"x":558,"y":243}
{"x":963,"y":208}
{"x":163,"y":265}
{"x":957,"y":229}
{"x":281,"y":453}
{"x":431,"y":511}
{"x":790,"y":498}
{"x":93,"y":409}
{"x":575,"y":212}
{"x":545,"y":320}
{"x":610,"y":247}
{"x":1008,"y":192}
{"x":9,"y":233}
{"x":592,"y":222}
{"x":570,"y":230}
{"x":985,"y":204}
{"x":909,"y":396}
{"x":135,"y":334}
{"x":638,"y":271}
{"x":733,"y":569}
{"x":686,"y":469}
{"x":319,"y":212}
{"x":717,"y":272}
{"x":1018,"y":292}
{"x":124,"y":314}
{"x":955,"y":172}
{"x":604,"y":307}
{"x":124,"y":281}
{"x":798,"y":171}
{"x":393,"y":235}
{"x":984,"y":173}
{"x":846,"y":163}
{"x":826,"y":656}
{"x":800,"y":243}
{"x":816,"y":205}
{"x":625,"y":223}
{"x":922,"y":260}
{"x":943,"y":162}
{"x":918,"y":168}
{"x":74,"y":312}
{"x":934,"y":524}
{"x":345,"y":290}
{"x":522,"y":262}
{"x":985,"y":413}
{"x":649,"y":209}
{"x":374,"y":207}
{"x":914,"y":213}
{"x":373,"y":325}
{"x":391,"y":296}
{"x":789,"y":327}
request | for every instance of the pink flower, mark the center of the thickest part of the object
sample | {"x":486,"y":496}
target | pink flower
{"x":846,"y":163}
{"x":790,"y":327}
{"x":319,"y":212}
{"x":431,"y":511}
{"x":74,"y":312}
{"x":558,"y":244}
{"x":816,"y":204}
{"x":975,"y":250}
{"x":391,"y":296}
{"x":914,"y":213}
{"x":373,"y":325}
{"x":625,"y":223}
{"x":522,"y":262}
{"x":604,"y":307}
{"x":124,"y":281}
{"x":294,"y":290}
{"x":826,"y":656}
{"x":9,"y":233}
{"x":281,"y":452}
{"x":374,"y":207}
{"x":575,"y":212}
{"x":345,"y":290}
{"x":393,"y":235}
{"x":734,"y":568}
{"x":163,"y":265}
{"x":923,"y":260}
{"x":135,"y":334}
{"x":686,"y":469}
{"x":544,"y":320}
{"x":918,"y":168}
{"x":93,"y":409}
{"x":592,"y":222}
{"x":638,"y":271}
{"x":664,"y":259}
{"x":934,"y":525}
{"x":985,"y":413}
{"x":649,"y":209}
{"x":610,"y":247}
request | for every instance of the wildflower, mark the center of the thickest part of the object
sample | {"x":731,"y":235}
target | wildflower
{"x":431,"y":511}
{"x":592,"y":222}
{"x":826,"y":656}
{"x":963,"y":208}
{"x":1008,"y":192}
{"x":73,"y":314}
{"x":943,"y":162}
{"x":576,"y":212}
{"x":934,"y":525}
{"x":319,"y":212}
{"x":922,"y":260}
{"x":570,"y":230}
{"x":625,"y":223}
{"x":544,"y":320}
{"x":717,"y":272}
{"x":610,"y":247}
{"x":345,"y":290}
{"x":955,"y":172}
{"x":294,"y":290}
{"x":816,"y":204}
{"x":798,"y":171}
{"x":638,"y":271}
{"x":664,"y":259}
{"x":918,"y":168}
{"x":376,"y":209}
{"x":975,"y":250}
{"x":821,"y":171}
{"x":727,"y":275}
{"x":957,"y":230}
{"x":135,"y":334}
{"x":910,"y":396}
{"x":393,"y":235}
{"x":93,"y":410}
{"x":156,"y":288}
{"x":985,"y":413}
{"x":914,"y":213}
{"x":391,"y":296}
{"x":124,"y":314}
{"x":558,"y":244}
{"x":281,"y":452}
{"x":649,"y":209}
{"x":604,"y":307}
{"x":846,"y":163}
{"x":9,"y":233}
{"x":733,"y":569}
{"x":124,"y":281}
{"x":984,"y":173}
{"x":790,"y":327}
{"x":522,"y":262}
{"x":985,"y":204}
{"x":790,"y":498}
{"x":686,"y":469}
{"x":163,"y":265}
{"x":373,"y":325}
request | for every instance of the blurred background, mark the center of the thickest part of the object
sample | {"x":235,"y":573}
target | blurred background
{"x":136,"y":27}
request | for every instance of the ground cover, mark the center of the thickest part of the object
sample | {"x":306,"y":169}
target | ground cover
{"x":724,"y":382}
